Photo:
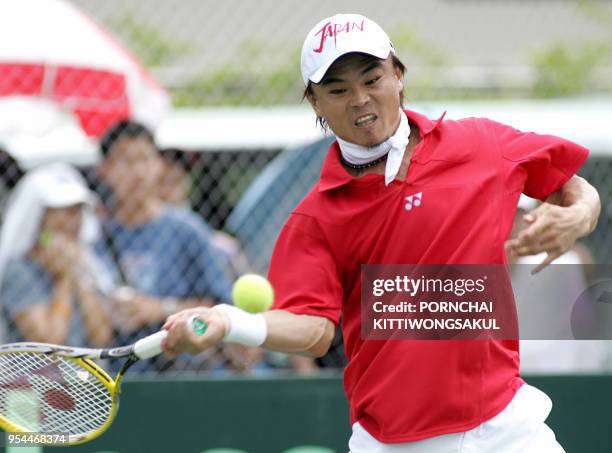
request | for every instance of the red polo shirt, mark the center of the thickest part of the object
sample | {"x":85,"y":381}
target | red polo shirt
{"x":470,"y":174}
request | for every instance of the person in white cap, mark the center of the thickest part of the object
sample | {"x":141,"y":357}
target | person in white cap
{"x":51,"y":285}
{"x":397,"y":187}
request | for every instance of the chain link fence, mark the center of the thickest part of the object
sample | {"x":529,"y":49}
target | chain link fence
{"x":166,"y":213}
{"x":245,"y":53}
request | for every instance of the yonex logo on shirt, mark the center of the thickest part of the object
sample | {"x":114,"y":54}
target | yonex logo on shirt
{"x":413,"y":201}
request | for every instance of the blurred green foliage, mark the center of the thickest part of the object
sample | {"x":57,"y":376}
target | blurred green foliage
{"x":152,"y":46}
{"x":597,"y":10}
{"x":250,"y":77}
{"x":415,"y":51}
{"x":247,"y":79}
{"x":567,"y":68}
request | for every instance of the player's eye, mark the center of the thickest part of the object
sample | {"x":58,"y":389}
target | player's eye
{"x":337,"y":91}
{"x":373,"y":81}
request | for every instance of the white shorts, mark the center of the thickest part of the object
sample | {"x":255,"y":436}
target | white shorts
{"x":519,"y":428}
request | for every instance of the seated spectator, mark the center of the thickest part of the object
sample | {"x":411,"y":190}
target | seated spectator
{"x":51,"y":284}
{"x":175,"y":183}
{"x":161,"y":253}
{"x":175,"y":187}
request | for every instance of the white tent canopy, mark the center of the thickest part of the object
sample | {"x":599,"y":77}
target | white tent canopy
{"x":51,"y":50}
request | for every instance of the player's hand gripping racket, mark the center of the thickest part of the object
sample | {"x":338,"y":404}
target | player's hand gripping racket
{"x":46,"y":388}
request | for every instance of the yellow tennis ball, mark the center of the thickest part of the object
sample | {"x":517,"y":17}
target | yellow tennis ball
{"x":253,"y":293}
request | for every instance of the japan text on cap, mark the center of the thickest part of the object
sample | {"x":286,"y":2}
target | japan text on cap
{"x":338,"y":35}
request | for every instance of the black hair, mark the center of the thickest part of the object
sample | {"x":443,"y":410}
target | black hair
{"x":178,"y":156}
{"x":123,"y":129}
{"x":397,"y":63}
{"x":10,"y":171}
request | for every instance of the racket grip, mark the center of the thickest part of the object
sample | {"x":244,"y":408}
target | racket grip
{"x":150,"y":346}
{"x":197,"y":324}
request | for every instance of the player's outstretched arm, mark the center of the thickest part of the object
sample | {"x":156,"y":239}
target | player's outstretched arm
{"x":277,"y":330}
{"x":299,"y":334}
{"x":553,"y":227}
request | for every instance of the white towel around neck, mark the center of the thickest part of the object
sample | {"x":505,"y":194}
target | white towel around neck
{"x":394,"y":147}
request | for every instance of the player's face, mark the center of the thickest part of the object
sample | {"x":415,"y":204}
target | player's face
{"x":132,"y":169}
{"x":359,"y":98}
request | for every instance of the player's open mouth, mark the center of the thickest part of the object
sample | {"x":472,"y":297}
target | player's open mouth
{"x":365,"y":120}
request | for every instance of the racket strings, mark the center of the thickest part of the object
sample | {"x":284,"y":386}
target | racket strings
{"x":51,"y":394}
{"x":47,"y":400}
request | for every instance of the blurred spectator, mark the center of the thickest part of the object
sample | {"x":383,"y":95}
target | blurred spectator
{"x":161,"y":253}
{"x":10,"y":174}
{"x":51,"y":282}
{"x":175,"y":183}
{"x":552,"y":289}
{"x":175,"y":189}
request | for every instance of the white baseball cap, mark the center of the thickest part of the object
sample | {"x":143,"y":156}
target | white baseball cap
{"x":338,"y":35}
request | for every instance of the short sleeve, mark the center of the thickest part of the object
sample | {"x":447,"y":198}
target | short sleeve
{"x":303,"y":271}
{"x":538,"y":164}
{"x":23,"y":285}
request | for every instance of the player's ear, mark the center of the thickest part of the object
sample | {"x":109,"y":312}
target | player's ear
{"x":400,"y":78}
{"x":315,"y":104}
{"x":313,"y":100}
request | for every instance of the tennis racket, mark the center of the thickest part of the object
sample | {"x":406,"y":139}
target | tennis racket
{"x":47,"y":388}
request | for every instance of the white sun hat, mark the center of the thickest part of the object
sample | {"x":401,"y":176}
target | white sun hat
{"x":56,"y":185}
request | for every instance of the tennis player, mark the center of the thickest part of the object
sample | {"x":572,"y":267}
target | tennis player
{"x":397,"y":187}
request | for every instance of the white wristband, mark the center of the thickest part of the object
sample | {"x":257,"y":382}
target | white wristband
{"x":244,"y":328}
